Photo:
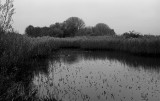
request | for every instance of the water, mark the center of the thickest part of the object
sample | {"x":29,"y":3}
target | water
{"x":74,"y":75}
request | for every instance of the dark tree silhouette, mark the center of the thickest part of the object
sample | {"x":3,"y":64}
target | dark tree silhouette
{"x":55,"y":32}
{"x":72,"y":25}
{"x":29,"y":30}
{"x":57,"y":25}
{"x":103,"y":29}
{"x":87,"y":31}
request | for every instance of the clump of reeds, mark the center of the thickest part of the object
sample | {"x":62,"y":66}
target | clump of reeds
{"x":14,"y":48}
{"x":143,"y":45}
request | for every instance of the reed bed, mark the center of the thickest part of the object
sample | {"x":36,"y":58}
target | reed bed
{"x":144,"y":45}
{"x":16,"y":48}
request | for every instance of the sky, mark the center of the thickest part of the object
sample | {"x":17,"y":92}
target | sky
{"x":121,"y":15}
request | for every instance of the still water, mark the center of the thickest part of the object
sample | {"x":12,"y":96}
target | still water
{"x":75,"y":75}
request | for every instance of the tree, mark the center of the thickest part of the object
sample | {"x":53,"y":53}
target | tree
{"x":29,"y":30}
{"x":55,"y":32}
{"x":87,"y":31}
{"x":101,"y":28}
{"x":72,"y":25}
{"x":6,"y":12}
{"x":36,"y":31}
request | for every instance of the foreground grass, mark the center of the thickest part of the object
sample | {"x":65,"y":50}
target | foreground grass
{"x":18,"y":57}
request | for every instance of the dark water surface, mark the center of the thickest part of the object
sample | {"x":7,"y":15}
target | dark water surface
{"x":74,"y":75}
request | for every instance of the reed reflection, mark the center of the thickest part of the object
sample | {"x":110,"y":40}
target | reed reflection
{"x":15,"y":85}
{"x":99,"y":76}
{"x":74,"y":56}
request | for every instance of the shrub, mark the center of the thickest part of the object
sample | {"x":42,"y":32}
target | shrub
{"x":132,"y":34}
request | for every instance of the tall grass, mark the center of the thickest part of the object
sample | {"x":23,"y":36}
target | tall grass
{"x":18,"y":59}
{"x":144,"y":45}
{"x":16,"y":48}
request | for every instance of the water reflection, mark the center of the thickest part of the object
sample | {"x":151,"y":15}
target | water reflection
{"x":74,"y":56}
{"x":16,"y":84}
{"x":99,"y":76}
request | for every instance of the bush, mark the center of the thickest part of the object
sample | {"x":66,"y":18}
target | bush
{"x":132,"y":34}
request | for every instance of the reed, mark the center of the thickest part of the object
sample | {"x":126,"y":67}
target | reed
{"x":16,"y":48}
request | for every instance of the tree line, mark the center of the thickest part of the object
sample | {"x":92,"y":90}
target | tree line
{"x":73,"y":26}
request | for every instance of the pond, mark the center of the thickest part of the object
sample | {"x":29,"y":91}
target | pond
{"x":74,"y":75}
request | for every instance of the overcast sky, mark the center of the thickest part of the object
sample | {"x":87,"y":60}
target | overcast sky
{"x":121,"y":15}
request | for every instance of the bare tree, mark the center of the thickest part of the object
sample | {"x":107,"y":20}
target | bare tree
{"x":6,"y":12}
